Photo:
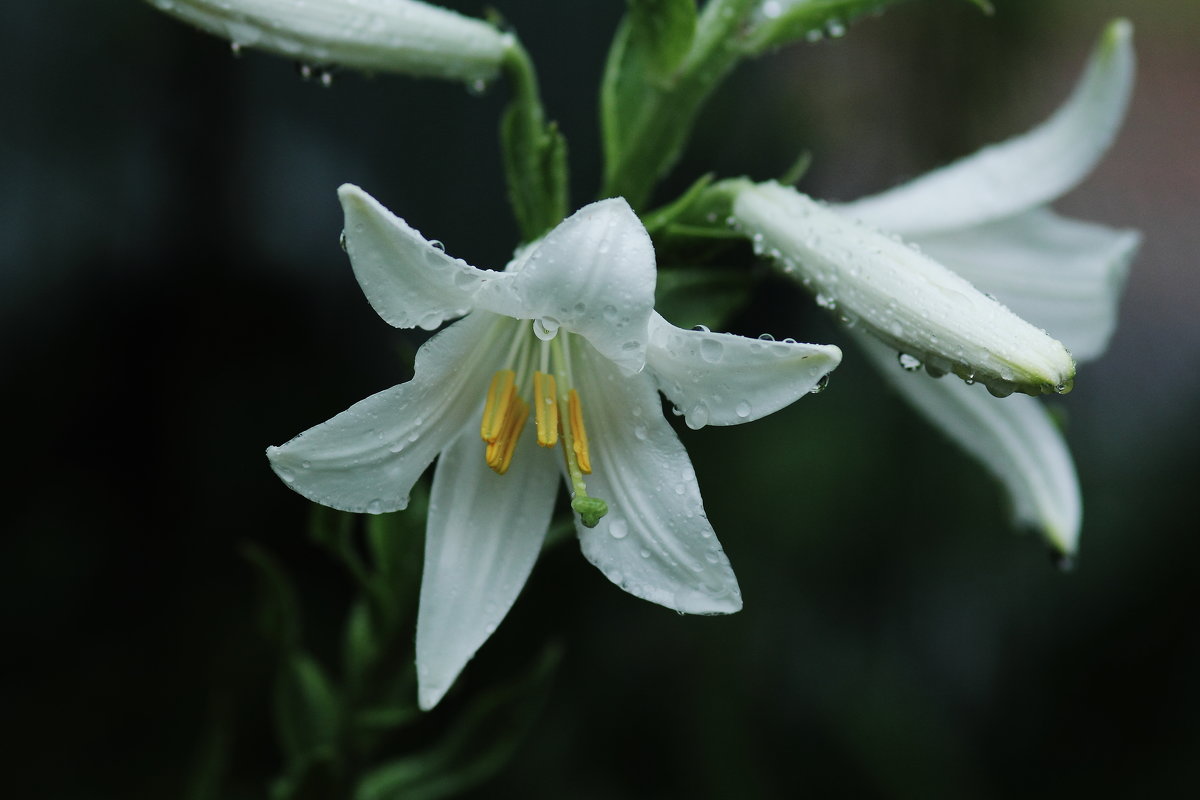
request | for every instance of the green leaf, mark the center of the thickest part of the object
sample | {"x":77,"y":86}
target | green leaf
{"x":688,"y":297}
{"x":279,"y":610}
{"x":306,"y":710}
{"x":663,"y":31}
{"x":646,"y":116}
{"x":360,"y":648}
{"x":483,"y":738}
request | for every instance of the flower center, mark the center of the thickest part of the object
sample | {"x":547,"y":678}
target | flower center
{"x":540,"y":367}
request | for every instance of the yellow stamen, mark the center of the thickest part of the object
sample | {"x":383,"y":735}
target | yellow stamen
{"x":499,"y":399}
{"x":499,"y":453}
{"x":578,"y":433}
{"x":545,"y":409}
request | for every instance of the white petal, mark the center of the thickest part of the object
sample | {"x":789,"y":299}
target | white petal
{"x":1061,"y":274}
{"x":1023,"y":172}
{"x":1013,"y":437}
{"x":484,"y":534}
{"x":722,"y":379}
{"x":900,"y":295}
{"x":408,"y":280}
{"x":392,"y":35}
{"x":593,"y":275}
{"x":367,"y":458}
{"x":655,"y":541}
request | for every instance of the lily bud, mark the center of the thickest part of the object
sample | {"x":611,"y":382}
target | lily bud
{"x":385,"y":35}
{"x":902,"y":296}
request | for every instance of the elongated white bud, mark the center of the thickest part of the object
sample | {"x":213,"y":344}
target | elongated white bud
{"x":385,"y":35}
{"x":900,"y":295}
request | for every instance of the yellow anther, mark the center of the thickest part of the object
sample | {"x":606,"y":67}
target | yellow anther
{"x":499,"y":398}
{"x":545,"y":409}
{"x":579,"y":441}
{"x":499,"y":453}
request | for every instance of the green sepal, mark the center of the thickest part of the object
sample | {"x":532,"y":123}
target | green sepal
{"x":662,"y":30}
{"x":660,"y":218}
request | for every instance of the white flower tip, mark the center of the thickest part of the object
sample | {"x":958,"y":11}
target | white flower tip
{"x":704,"y":603}
{"x":430,"y":696}
{"x":1118,"y":34}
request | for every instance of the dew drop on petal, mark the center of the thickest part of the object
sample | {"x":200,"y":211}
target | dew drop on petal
{"x":375,"y":507}
{"x":545,"y":328}
{"x":711,"y":350}
{"x":908,"y":362}
{"x":743,"y":409}
{"x":618,"y":528}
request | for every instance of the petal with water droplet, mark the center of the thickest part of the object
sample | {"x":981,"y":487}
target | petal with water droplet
{"x":483,"y":536}
{"x":750,"y":379}
{"x":1061,"y":274}
{"x":408,"y":280}
{"x":1013,"y":437}
{"x":367,"y":458}
{"x":645,"y":476}
{"x":593,"y":274}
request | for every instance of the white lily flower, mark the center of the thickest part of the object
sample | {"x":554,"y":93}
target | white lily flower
{"x":569,"y":331}
{"x":980,"y":225}
{"x":387,"y":35}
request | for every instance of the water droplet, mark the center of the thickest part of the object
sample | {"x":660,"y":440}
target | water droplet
{"x":305,"y":464}
{"x":430,"y":321}
{"x":697,"y":418}
{"x":437,"y":245}
{"x":286,"y":474}
{"x":305,"y":71}
{"x":545,"y":328}
{"x":711,"y":350}
{"x":375,"y":506}
{"x":743,"y":409}
{"x":766,"y":337}
{"x":618,"y":528}
{"x":644,"y":553}
{"x":821,"y":385}
{"x":701,"y":328}
{"x":326,"y":78}
{"x":610,"y":313}
{"x":640,"y":432}
{"x":236,"y":49}
{"x":477,"y":87}
{"x":342,"y":241}
{"x":825,"y":301}
{"x":909,"y":363}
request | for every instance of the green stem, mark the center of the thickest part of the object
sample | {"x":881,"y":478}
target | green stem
{"x":534,"y":151}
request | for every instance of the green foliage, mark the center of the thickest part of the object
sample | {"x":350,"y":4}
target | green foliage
{"x":647,"y":113}
{"x":535,"y":154}
{"x":690,"y":297}
{"x":662,"y":30}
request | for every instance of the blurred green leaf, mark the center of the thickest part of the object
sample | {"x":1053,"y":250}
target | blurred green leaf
{"x":483,"y":738}
{"x":206,"y":779}
{"x":662,"y":30}
{"x":279,"y":611}
{"x":360,"y":646}
{"x":688,"y":297}
{"x":307,"y":718}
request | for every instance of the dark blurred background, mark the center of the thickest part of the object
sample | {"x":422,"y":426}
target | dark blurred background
{"x":173,"y":299}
